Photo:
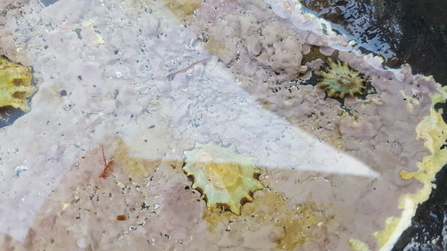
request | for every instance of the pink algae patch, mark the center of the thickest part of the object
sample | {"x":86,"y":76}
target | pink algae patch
{"x":358,"y":128}
{"x":130,"y":208}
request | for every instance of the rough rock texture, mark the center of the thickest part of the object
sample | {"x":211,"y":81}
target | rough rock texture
{"x":159,"y":82}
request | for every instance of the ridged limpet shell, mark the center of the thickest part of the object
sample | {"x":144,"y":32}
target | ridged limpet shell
{"x":340,"y":81}
{"x":225,"y":178}
{"x":15,"y":85}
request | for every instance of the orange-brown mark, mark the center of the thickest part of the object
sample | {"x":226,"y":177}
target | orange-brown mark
{"x":18,"y":82}
{"x":121,"y":217}
{"x":19,"y":95}
{"x":107,"y":167}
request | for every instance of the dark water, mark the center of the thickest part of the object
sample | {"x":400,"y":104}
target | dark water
{"x":402,"y":31}
{"x":413,"y":32}
{"x":8,"y":115}
{"x":429,"y":226}
{"x":48,"y":2}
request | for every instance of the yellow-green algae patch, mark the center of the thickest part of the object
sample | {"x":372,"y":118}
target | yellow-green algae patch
{"x":358,"y":245}
{"x":15,"y":85}
{"x":225,"y":178}
{"x":433,"y":130}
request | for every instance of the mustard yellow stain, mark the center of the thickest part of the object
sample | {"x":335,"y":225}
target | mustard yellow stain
{"x":391,"y":224}
{"x":358,"y":245}
{"x":183,"y":8}
{"x":298,"y":224}
{"x":216,"y":46}
{"x":135,"y":167}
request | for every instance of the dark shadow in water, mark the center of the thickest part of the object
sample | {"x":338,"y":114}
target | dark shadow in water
{"x":424,"y":40}
{"x":8,"y":115}
{"x":48,"y":2}
{"x":428,"y":230}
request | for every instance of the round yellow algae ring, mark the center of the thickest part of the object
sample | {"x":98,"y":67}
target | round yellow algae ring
{"x":225,"y":178}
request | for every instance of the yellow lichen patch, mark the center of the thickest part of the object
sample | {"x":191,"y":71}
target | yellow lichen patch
{"x":182,"y":8}
{"x":296,"y":226}
{"x":433,"y":130}
{"x":391,"y":225}
{"x":225,"y":178}
{"x":358,"y":245}
{"x":15,"y":85}
{"x":340,"y":81}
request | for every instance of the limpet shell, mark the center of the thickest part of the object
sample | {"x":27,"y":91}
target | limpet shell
{"x":225,"y":178}
{"x":15,"y":85}
{"x":340,"y":81}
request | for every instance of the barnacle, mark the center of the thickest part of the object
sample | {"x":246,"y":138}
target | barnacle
{"x":340,"y":80}
{"x":15,"y":85}
{"x":225,"y":178}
